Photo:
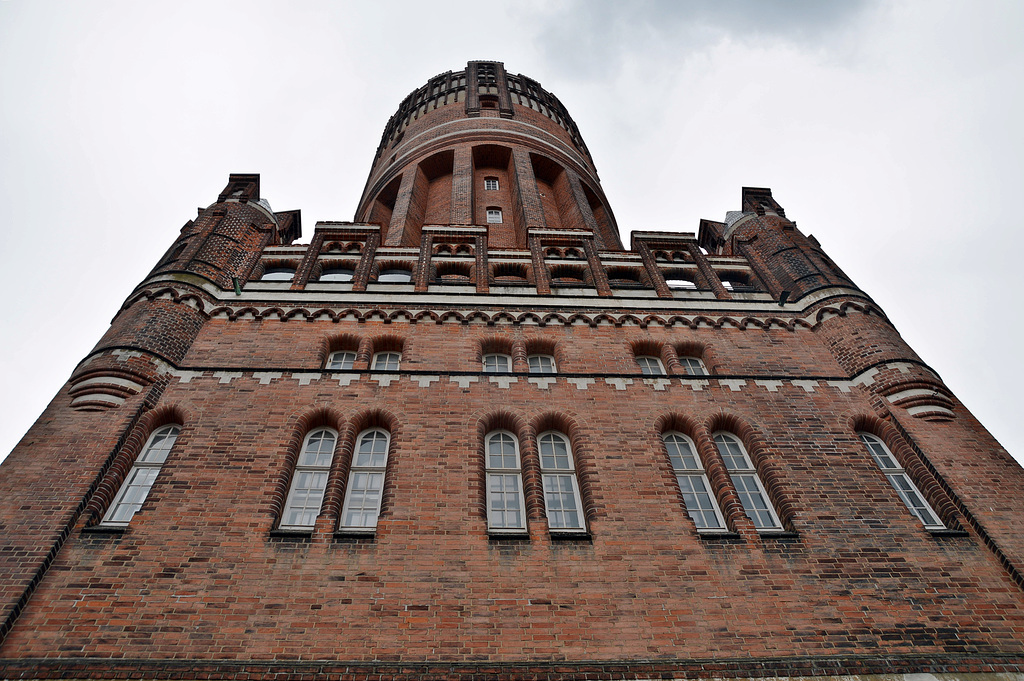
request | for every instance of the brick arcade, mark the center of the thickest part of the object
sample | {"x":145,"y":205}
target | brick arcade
{"x":471,"y":435}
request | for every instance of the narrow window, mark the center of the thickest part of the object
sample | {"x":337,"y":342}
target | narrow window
{"x":693,"y":366}
{"x":541,"y":364}
{"x":491,"y":184}
{"x":341,"y":360}
{"x":561,"y":490}
{"x":278,"y":274}
{"x":366,"y":481}
{"x":141,"y":477}
{"x":497,"y":363}
{"x":387,"y":361}
{"x":901,"y":482}
{"x":693,"y":482}
{"x":748,"y":484}
{"x":494,"y":216}
{"x":650,"y":366}
{"x":309,"y":481}
{"x":505,"y":502}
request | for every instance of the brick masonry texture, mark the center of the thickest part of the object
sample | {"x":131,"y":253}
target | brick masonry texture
{"x":204,"y":583}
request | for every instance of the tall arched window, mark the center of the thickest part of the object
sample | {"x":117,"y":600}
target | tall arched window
{"x":309,"y":481}
{"x":141,"y":477}
{"x":693,"y":482}
{"x":506,"y":506}
{"x":901,"y":482}
{"x":366,"y":481}
{"x":561,"y":489}
{"x":747,"y":483}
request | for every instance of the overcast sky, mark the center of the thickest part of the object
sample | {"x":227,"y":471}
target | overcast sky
{"x":892,"y":131}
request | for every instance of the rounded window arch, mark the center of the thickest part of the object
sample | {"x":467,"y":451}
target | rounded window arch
{"x":747,"y":482}
{"x":365,"y":487}
{"x":562,"y":501}
{"x":309,"y":480}
{"x":337,"y":275}
{"x":278,"y":274}
{"x":139,"y":481}
{"x":698,"y":498}
{"x":908,"y":492}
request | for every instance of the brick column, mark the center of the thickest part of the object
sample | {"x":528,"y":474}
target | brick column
{"x":597,"y":268}
{"x":462,"y":187}
{"x":362,"y":273}
{"x":653,"y":271}
{"x":400,"y":215}
{"x":483,"y":273}
{"x":540,"y":270}
{"x":421,"y":277}
{"x":707,"y":273}
{"x":526,"y":186}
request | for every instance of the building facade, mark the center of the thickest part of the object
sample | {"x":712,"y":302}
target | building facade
{"x":472,"y":435}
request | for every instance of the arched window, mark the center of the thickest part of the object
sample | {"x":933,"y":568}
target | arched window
{"x":141,"y":477}
{"x":693,"y":366}
{"x":309,"y":481}
{"x":341,"y":360}
{"x":693,"y":482}
{"x":497,"y":363}
{"x":394,"y":276}
{"x":387,"y":361}
{"x":278,"y":274}
{"x":747,"y":483}
{"x":491,"y":184}
{"x":494,"y":216}
{"x":561,"y":490}
{"x":541,"y":364}
{"x":650,"y":366}
{"x":366,"y":481}
{"x":339,"y":274}
{"x":506,"y":506}
{"x":901,"y":482}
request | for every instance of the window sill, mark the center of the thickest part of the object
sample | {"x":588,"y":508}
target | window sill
{"x":508,"y":534}
{"x":105,"y":529}
{"x":946,"y":532}
{"x":777,"y":534}
{"x":717,"y":534}
{"x":570,"y":535}
{"x":296,"y":534}
{"x":355,"y":534}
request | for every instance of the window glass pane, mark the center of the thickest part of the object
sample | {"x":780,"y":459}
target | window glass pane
{"x":504,"y":507}
{"x":501,"y":451}
{"x":341,"y":360}
{"x":680,"y":452}
{"x":732,"y":452}
{"x":650,"y":366}
{"x":373,"y":450}
{"x":362,"y":501}
{"x":305,"y":499}
{"x":337,"y":275}
{"x":497,"y":363}
{"x":133,"y":493}
{"x":159,"y":445}
{"x":754,"y":503}
{"x":494,"y":217}
{"x":319,"y":449}
{"x":693,"y":366}
{"x":278,"y":274}
{"x":561,"y":502}
{"x":491,"y":184}
{"x":394,"y":276}
{"x":700,"y":504}
{"x":386,"y":361}
{"x":554,"y":452}
{"x":542,"y":364}
{"x":913,"y":499}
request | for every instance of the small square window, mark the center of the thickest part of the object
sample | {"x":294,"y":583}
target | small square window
{"x":493,"y":216}
{"x":497,"y":363}
{"x":387,"y":361}
{"x":693,"y":366}
{"x":491,"y":184}
{"x":341,"y":360}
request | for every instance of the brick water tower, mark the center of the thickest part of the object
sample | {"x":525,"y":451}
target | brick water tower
{"x":470,"y":435}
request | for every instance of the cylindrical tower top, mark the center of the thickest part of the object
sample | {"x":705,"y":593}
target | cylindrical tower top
{"x":483,"y":147}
